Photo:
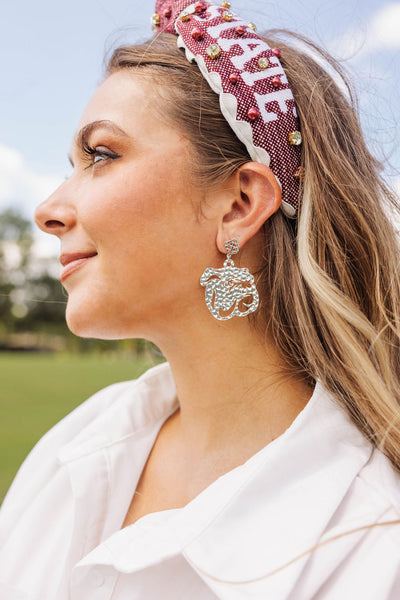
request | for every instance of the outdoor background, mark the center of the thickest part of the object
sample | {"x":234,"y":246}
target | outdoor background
{"x":50,"y":63}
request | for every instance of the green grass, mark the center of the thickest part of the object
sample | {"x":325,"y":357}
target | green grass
{"x":37,"y":390}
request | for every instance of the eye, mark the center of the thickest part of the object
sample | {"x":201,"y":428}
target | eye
{"x":97,"y":154}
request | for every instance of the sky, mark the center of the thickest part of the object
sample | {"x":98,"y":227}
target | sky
{"x":51,"y":59}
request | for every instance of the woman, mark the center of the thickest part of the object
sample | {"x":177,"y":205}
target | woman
{"x":224,"y":206}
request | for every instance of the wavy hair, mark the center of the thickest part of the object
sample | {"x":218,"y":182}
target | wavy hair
{"x":330,"y":280}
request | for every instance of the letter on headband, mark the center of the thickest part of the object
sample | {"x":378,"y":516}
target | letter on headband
{"x":255,"y":96}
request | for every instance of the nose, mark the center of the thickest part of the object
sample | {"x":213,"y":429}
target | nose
{"x":56,"y":215}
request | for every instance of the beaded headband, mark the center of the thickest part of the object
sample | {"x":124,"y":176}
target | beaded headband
{"x":254,"y":93}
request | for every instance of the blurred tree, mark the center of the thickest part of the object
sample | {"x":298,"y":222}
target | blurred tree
{"x":16,"y":241}
{"x":30,"y":298}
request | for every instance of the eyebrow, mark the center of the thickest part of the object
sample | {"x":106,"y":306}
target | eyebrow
{"x":88,"y":129}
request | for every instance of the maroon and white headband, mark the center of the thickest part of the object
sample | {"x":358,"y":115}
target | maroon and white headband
{"x":254,"y":93}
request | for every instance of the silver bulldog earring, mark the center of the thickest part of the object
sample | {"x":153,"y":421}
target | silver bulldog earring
{"x":229,"y":287}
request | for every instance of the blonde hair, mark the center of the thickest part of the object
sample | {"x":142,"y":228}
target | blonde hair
{"x":330,"y":279}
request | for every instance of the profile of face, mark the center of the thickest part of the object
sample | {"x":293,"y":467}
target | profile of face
{"x":132,"y":245}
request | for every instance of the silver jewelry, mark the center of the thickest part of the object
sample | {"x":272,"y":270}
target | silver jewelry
{"x":228,"y":287}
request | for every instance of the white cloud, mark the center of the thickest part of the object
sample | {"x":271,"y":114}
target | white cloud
{"x":381,"y":32}
{"x":20,"y":186}
{"x":384,"y":31}
{"x":23,"y":188}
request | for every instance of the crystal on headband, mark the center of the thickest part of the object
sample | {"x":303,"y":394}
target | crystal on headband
{"x":295,"y":138}
{"x":263,"y":63}
{"x":214,"y":51}
{"x":155,"y":20}
{"x":227,"y":15}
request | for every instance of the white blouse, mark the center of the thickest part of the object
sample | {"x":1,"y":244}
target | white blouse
{"x":250,"y":535}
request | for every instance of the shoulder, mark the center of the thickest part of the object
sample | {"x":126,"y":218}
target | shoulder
{"x":44,"y":461}
{"x":358,"y":553}
{"x":380,"y":482}
{"x":371,"y":502}
{"x":41,"y":465}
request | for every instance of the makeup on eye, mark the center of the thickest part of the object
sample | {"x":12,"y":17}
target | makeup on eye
{"x":81,"y":139}
{"x":97,"y":154}
{"x":94,"y":154}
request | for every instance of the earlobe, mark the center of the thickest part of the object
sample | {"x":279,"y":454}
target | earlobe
{"x":256,"y":198}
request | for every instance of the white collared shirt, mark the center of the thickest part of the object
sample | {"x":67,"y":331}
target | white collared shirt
{"x":249,"y":535}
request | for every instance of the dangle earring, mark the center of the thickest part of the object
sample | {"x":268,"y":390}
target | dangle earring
{"x":229,"y":287}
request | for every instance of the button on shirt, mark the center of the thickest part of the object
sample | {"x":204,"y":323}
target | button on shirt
{"x":291,"y":523}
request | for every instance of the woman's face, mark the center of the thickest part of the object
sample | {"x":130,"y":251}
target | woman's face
{"x":131,"y":240}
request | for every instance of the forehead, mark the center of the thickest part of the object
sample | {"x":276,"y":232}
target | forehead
{"x":128,"y":100}
{"x":119,"y":93}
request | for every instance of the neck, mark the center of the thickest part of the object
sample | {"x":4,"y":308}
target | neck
{"x":233,"y":387}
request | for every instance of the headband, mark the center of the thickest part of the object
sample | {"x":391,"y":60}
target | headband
{"x":254,"y":93}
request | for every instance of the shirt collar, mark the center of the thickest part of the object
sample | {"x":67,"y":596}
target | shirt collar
{"x":302,"y":479}
{"x":134,"y":406}
{"x":237,"y":529}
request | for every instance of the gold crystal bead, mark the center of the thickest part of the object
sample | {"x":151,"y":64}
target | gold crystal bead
{"x":225,"y":4}
{"x":263,"y":63}
{"x":155,"y":20}
{"x":295,"y":138}
{"x":214,"y":51}
{"x":253,"y":27}
{"x":185,"y":16}
{"x":227,"y":15}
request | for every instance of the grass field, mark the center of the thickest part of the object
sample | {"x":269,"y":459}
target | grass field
{"x":37,"y":390}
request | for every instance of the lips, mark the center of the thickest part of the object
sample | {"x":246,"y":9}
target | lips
{"x":73,"y":261}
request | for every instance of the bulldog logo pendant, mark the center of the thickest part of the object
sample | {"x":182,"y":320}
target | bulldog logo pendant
{"x":230,"y":291}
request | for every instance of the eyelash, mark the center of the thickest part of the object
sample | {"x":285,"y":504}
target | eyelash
{"x":91,"y":152}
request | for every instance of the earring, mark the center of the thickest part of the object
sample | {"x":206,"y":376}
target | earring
{"x":228,"y":287}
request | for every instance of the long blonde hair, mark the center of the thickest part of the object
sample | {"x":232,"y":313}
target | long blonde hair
{"x":330,"y":279}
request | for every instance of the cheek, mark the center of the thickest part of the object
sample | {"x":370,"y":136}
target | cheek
{"x":144,"y":227}
{"x":141,"y":209}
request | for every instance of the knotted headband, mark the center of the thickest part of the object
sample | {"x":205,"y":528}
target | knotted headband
{"x":254,"y":93}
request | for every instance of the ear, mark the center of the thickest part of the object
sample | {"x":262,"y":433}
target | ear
{"x":256,"y":197}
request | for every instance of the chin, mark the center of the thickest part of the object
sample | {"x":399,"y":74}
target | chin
{"x":97,"y":323}
{"x":98,"y":331}
{"x":85,"y":324}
